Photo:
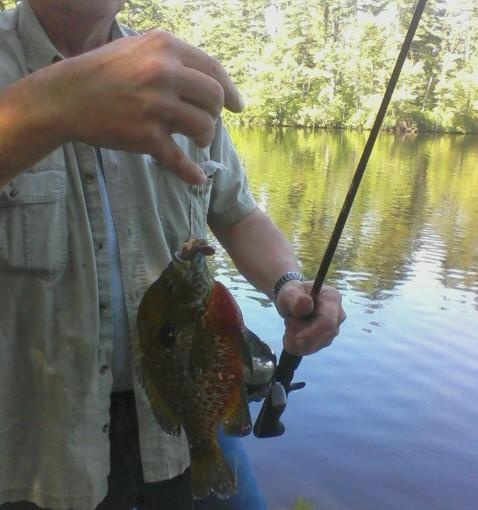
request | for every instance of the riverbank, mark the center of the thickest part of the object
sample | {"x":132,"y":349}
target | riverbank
{"x":401,"y":127}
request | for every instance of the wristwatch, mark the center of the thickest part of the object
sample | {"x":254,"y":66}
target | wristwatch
{"x":286,"y":277}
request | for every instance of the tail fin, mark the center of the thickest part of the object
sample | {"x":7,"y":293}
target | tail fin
{"x":211,"y":473}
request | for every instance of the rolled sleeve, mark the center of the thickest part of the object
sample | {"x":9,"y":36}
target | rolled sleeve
{"x":231,"y":199}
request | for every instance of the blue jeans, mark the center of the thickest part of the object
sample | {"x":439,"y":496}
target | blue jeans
{"x":127,"y":491}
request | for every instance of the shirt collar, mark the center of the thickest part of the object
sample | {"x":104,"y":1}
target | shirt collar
{"x":39,"y":50}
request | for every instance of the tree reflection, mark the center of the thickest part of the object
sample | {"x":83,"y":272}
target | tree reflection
{"x":419,"y":192}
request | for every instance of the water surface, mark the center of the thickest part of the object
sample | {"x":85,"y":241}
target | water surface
{"x":389,"y":417}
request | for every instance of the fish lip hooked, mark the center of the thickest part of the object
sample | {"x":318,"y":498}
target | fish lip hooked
{"x":193,"y":247}
{"x":177,"y":257}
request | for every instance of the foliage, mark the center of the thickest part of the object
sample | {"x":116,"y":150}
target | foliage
{"x":6,"y":4}
{"x":326,"y":64}
{"x":301,"y":176}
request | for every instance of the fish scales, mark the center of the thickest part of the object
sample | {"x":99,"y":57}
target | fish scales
{"x":192,"y":347}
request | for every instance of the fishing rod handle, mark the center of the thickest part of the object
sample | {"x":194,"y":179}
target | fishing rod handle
{"x":268,"y":422}
{"x":288,"y":364}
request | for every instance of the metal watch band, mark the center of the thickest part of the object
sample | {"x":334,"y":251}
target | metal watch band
{"x":286,"y":277}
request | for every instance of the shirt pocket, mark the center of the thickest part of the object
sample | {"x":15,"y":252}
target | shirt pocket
{"x":201,"y":197}
{"x":33,"y":224}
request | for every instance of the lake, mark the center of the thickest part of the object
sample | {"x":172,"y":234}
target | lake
{"x":389,"y":417}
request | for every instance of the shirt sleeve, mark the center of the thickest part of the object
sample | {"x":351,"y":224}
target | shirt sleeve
{"x":231,"y":199}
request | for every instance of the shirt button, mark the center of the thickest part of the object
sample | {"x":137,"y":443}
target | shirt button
{"x":105,"y":428}
{"x":99,"y":245}
{"x":89,"y":178}
{"x":103,"y":307}
{"x":104,"y":369}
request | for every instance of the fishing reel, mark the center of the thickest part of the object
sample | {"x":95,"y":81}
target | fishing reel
{"x":268,"y":422}
{"x":264,"y":362}
{"x":271,"y":382}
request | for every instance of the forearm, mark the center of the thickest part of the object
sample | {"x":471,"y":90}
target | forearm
{"x":30,"y":126}
{"x":259,"y":250}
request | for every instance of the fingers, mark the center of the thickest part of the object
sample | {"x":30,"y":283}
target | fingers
{"x":159,"y":85}
{"x":170,"y":155}
{"x":193,"y":88}
{"x":294,"y":301}
{"x":188,"y":120}
{"x":196,"y":59}
{"x":306,"y":334}
{"x":193,"y":122}
{"x":201,"y":90}
{"x":302,"y":340}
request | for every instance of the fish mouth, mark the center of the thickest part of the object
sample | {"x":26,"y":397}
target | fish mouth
{"x":193,"y":246}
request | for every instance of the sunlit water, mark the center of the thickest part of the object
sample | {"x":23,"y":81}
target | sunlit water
{"x":389,"y":417}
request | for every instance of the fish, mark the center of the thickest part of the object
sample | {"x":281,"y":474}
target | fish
{"x":194,"y":350}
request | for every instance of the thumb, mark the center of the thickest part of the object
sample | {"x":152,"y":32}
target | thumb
{"x":294,"y":301}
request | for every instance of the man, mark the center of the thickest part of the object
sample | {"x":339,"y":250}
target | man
{"x":112,"y":154}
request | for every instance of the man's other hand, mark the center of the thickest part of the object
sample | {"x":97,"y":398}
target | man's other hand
{"x":309,"y":327}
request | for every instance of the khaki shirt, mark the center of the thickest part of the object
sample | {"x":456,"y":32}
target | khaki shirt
{"x":55,"y":318}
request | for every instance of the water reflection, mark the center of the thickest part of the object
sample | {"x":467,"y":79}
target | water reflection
{"x":388,"y":417}
{"x":419,"y":193}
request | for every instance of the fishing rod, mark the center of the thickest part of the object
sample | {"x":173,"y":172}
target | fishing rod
{"x":268,"y":422}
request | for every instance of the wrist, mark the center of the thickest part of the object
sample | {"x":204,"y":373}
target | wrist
{"x":28,"y":113}
{"x":41,"y":98}
{"x":288,"y":276}
{"x":55,"y":85}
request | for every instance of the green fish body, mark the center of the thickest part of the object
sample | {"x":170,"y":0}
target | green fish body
{"x":193,"y":349}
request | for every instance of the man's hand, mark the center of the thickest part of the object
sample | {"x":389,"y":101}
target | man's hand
{"x":309,"y":328}
{"x":133,"y":93}
{"x":262,"y":253}
{"x":130,"y":95}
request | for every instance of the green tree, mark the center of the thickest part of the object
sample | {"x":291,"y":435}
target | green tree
{"x":326,"y":64}
{"x":6,"y":4}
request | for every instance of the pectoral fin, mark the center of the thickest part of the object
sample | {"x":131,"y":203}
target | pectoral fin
{"x":238,"y":421}
{"x":246,"y":352}
{"x":146,"y":367}
{"x":163,"y":413}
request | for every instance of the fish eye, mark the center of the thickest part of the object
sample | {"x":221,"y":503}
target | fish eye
{"x":166,"y":335}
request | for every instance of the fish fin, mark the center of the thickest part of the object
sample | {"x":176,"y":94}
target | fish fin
{"x":163,"y":413}
{"x":211,"y":473}
{"x":142,"y":357}
{"x":257,"y":347}
{"x":246,"y":351}
{"x":238,"y":421}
